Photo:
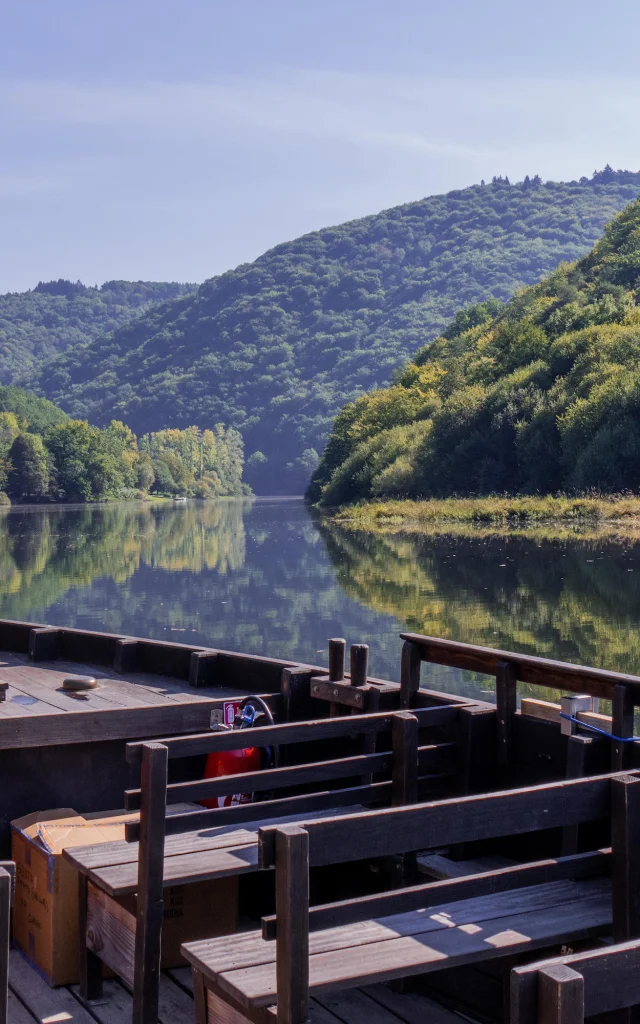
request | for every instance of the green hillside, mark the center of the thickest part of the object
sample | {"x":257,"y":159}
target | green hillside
{"x":276,"y":347}
{"x":539,"y":396}
{"x":31,"y":412}
{"x":57,"y":315}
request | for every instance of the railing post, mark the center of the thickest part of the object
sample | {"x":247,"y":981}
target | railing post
{"x":560,"y":995}
{"x":506,"y":679}
{"x":337,"y":652}
{"x":409,"y":674}
{"x":292,"y":917}
{"x":625,"y":857}
{"x":621,"y":723}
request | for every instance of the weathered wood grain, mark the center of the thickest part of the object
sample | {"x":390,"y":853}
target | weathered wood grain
{"x":529,"y":669}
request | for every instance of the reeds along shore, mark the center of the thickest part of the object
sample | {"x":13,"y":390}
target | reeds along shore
{"x":493,"y":509}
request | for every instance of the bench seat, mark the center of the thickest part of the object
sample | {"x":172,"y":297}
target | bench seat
{"x":190,"y":857}
{"x":243,"y":966}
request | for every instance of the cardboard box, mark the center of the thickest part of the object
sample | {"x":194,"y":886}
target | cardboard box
{"x":45,"y":915}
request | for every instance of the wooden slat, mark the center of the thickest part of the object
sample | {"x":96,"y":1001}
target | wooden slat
{"x":249,"y":949}
{"x":306,"y":804}
{"x":116,"y":723}
{"x":295,"y":732}
{"x":529,"y":669}
{"x":184,"y":868}
{"x":443,"y":822}
{"x":266,"y":779}
{"x":88,"y":858}
{"x":464,"y":887}
{"x":418,"y":945}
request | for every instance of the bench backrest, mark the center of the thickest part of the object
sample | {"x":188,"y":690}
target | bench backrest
{"x":405,"y":764}
{"x":566,"y":989}
{"x":393,"y":830}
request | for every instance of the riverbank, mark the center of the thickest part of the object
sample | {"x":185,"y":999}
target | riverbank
{"x":502,"y":510}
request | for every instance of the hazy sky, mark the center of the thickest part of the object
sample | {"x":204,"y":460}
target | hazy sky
{"x":173,"y":139}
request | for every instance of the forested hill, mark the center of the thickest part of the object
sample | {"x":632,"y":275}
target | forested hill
{"x":57,"y":315}
{"x":540,"y":396}
{"x":276,"y":347}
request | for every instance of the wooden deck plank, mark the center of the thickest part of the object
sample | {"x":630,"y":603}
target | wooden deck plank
{"x":12,"y":706}
{"x":18,"y":1014}
{"x":412,"y":1007}
{"x":26,"y":679}
{"x":377,"y":1004}
{"x":42,"y":1000}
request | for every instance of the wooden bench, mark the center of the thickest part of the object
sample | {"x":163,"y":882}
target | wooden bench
{"x":566,"y":989}
{"x":427,"y":927}
{"x":171,"y":849}
{"x":7,"y":874}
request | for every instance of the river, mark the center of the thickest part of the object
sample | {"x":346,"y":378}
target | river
{"x":267,"y":577}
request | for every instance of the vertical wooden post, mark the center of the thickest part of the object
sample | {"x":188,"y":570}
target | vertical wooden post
{"x":625,"y":857}
{"x":337,"y":652}
{"x":577,"y":750}
{"x":404,"y":741}
{"x":560,"y":995}
{"x":294,"y":688}
{"x":621,"y":724}
{"x":409,"y":674}
{"x":199,"y":997}
{"x":370,"y":739}
{"x":359,"y":657}
{"x":404,"y":785}
{"x":90,"y":962}
{"x":292,"y":916}
{"x":150,"y":906}
{"x":5,"y":919}
{"x":506,"y":679}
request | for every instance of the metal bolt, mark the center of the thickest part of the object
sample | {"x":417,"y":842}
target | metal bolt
{"x":335,"y":693}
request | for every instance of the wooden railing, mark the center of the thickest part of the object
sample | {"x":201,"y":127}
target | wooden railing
{"x":509,"y":668}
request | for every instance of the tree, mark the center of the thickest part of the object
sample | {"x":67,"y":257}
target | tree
{"x":30,"y":467}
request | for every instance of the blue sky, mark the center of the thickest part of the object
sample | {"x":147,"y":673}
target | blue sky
{"x":153,"y":139}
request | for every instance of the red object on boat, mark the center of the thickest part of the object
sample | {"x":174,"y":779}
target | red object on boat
{"x":231,"y":762}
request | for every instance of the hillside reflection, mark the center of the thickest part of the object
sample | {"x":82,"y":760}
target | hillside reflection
{"x":43,"y":553}
{"x":557,"y":594}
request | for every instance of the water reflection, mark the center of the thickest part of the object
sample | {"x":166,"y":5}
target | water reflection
{"x":557,"y":594}
{"x":265,"y":577}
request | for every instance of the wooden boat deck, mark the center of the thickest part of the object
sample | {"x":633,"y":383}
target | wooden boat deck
{"x":32,"y":1001}
{"x":37,"y":710}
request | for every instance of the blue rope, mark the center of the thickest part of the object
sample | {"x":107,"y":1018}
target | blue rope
{"x":602,"y":732}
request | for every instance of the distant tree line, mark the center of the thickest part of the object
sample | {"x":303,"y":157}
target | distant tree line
{"x":70,"y":460}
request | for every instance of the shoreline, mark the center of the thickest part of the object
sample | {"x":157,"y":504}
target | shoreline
{"x":494,"y":510}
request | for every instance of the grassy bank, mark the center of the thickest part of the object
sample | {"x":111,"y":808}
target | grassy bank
{"x":503,"y":510}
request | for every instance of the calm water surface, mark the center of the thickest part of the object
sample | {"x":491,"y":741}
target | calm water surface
{"x":266,"y":577}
